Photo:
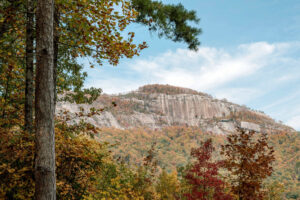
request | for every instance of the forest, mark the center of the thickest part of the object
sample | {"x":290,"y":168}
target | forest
{"x":43,"y":156}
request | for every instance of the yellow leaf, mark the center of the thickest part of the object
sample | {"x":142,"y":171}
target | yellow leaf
{"x":11,"y":170}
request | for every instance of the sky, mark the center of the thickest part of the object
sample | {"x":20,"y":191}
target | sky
{"x":249,"y":54}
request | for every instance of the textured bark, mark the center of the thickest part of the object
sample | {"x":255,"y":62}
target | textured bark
{"x":55,"y":46}
{"x":45,"y":182}
{"x":29,"y":90}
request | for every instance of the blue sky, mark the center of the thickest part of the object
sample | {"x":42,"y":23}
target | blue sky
{"x":249,"y":54}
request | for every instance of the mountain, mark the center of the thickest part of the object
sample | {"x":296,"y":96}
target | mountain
{"x":176,"y":120}
{"x":158,"y":106}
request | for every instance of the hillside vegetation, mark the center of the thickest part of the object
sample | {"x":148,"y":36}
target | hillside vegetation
{"x":173,"y":145}
{"x":166,"y":89}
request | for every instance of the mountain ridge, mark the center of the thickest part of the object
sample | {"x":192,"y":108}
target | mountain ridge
{"x":157,"y":106}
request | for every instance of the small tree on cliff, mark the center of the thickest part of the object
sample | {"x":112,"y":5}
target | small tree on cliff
{"x":249,"y":162}
{"x":203,"y":175}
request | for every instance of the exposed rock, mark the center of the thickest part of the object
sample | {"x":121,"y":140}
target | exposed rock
{"x":157,"y":106}
{"x":250,"y":126}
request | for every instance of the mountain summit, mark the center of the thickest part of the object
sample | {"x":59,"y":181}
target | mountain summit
{"x":157,"y":106}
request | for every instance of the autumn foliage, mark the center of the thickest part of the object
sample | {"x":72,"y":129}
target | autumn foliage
{"x":203,"y":175}
{"x":78,"y":161}
{"x":86,"y":170}
{"x":249,"y":160}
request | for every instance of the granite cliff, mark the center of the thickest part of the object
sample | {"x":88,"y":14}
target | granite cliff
{"x":158,"y":106}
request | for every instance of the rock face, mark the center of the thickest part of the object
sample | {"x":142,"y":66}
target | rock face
{"x":157,"y":106}
{"x":250,"y":126}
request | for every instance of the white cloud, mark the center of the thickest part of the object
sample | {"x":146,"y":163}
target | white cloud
{"x":237,"y":95}
{"x":208,"y":68}
{"x":294,"y":122}
{"x":283,"y":101}
{"x":115,"y":85}
{"x":288,"y":77}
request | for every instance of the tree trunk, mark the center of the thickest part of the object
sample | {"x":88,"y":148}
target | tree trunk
{"x":55,"y":46}
{"x":45,"y":182}
{"x":29,"y":90}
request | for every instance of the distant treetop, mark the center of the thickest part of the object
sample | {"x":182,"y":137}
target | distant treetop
{"x":167,"y":89}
